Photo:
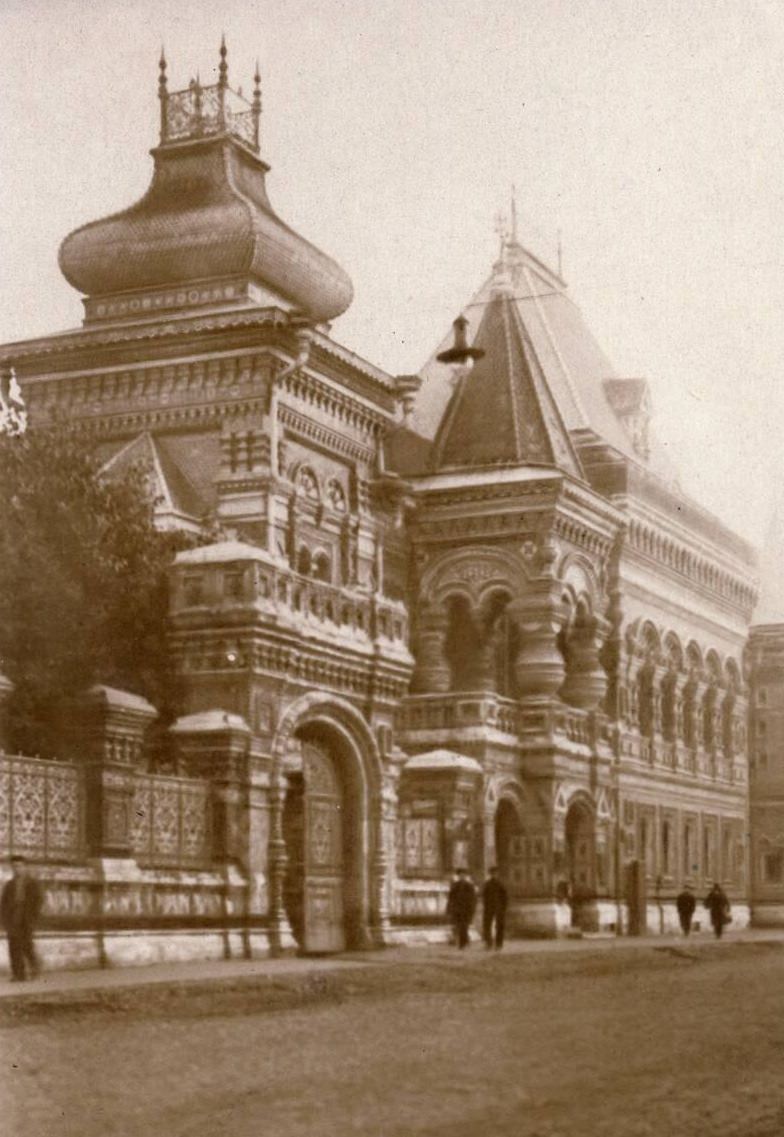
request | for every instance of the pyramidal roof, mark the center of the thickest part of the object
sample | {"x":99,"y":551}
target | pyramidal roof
{"x":172,"y":490}
{"x":568,"y":361}
{"x":502,"y":412}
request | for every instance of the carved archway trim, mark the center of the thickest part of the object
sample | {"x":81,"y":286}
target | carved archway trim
{"x":475,"y":572}
{"x":340,"y":715}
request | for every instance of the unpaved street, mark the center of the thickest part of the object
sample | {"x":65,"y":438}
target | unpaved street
{"x":617,"y":1044}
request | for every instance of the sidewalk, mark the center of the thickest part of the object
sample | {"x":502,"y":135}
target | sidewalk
{"x":206,"y":973}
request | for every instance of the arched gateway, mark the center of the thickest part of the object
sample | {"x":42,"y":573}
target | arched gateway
{"x":327,"y":770}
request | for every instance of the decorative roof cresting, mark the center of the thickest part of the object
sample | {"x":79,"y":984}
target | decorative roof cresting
{"x":199,"y":112}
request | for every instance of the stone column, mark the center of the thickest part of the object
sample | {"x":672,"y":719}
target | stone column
{"x":432,"y":672}
{"x":281,"y":937}
{"x":383,"y":866}
{"x":539,"y":666}
{"x":113,"y":724}
{"x":6,"y":687}
{"x":215,"y":745}
{"x":586,"y":679}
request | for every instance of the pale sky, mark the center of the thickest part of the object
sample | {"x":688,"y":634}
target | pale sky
{"x":650,"y":132}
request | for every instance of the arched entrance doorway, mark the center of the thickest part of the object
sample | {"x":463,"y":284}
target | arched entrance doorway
{"x":581,"y":863}
{"x":324,"y":882}
{"x":507,"y":841}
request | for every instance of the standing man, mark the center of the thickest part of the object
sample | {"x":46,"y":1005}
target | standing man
{"x":494,"y":899}
{"x":686,"y":902}
{"x":718,"y":905}
{"x":460,"y":906}
{"x":20,"y":906}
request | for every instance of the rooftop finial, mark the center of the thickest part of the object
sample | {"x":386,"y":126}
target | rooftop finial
{"x":223,"y":67}
{"x":163,"y":94}
{"x":256,"y":105}
{"x":513,"y":236}
{"x":502,"y":229}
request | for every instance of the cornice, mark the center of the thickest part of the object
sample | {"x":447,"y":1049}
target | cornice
{"x":80,"y":339}
{"x":665,"y":553}
{"x":325,"y":437}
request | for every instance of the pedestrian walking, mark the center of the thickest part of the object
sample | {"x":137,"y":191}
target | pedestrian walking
{"x":686,"y":902}
{"x":460,"y":906}
{"x":718,"y":905}
{"x":494,"y":901}
{"x":20,"y":906}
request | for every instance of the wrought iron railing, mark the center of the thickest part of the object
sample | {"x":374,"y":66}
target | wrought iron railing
{"x":42,"y":808}
{"x":172,"y":821}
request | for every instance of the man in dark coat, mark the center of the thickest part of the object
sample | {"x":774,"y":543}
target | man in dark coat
{"x":686,"y":902}
{"x":20,"y":906}
{"x":718,"y":905}
{"x":494,"y":900}
{"x":460,"y":906}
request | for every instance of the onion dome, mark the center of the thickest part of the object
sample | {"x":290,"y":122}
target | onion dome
{"x":206,"y":218}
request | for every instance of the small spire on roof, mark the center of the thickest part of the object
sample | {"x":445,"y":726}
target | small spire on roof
{"x":256,"y":104}
{"x":502,"y":229}
{"x":163,"y":94}
{"x":513,"y":235}
{"x":223,"y":67}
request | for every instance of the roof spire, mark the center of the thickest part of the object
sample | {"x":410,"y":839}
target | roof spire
{"x":163,"y":94}
{"x":223,"y":83}
{"x":502,"y":230}
{"x":223,"y":67}
{"x":513,"y":214}
{"x":256,"y":104}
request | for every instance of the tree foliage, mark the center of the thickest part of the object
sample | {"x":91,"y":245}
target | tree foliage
{"x":83,"y":583}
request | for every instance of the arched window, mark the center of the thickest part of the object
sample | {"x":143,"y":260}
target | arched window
{"x":336,"y":496}
{"x":304,"y":562}
{"x":322,"y":569}
{"x":461,"y":646}
{"x":307,"y":483}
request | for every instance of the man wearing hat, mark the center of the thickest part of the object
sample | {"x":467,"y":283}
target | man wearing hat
{"x":461,"y":906}
{"x":20,"y":906}
{"x":494,"y":900}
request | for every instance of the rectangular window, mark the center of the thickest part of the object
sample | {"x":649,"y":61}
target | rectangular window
{"x":689,"y":849}
{"x":666,"y":848}
{"x":232,"y":585}
{"x":762,"y":696}
{"x":421,"y":846}
{"x":773,"y":867}
{"x":193,"y":590}
{"x":708,"y":851}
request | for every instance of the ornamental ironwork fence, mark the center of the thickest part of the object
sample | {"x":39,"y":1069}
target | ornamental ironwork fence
{"x":172,"y":821}
{"x":42,"y":808}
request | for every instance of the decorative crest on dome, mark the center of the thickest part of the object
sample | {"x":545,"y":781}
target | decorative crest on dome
{"x":203,"y":112}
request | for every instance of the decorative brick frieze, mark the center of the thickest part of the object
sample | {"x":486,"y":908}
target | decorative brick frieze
{"x":307,"y":428}
{"x":666,"y":552}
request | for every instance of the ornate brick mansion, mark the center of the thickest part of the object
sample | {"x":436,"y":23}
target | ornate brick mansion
{"x":459,"y":618}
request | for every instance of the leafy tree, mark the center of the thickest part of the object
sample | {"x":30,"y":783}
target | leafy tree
{"x":83,"y":583}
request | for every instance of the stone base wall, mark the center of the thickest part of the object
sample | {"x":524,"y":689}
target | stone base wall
{"x":767,"y":914}
{"x":538,"y":918}
{"x":81,"y":950}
